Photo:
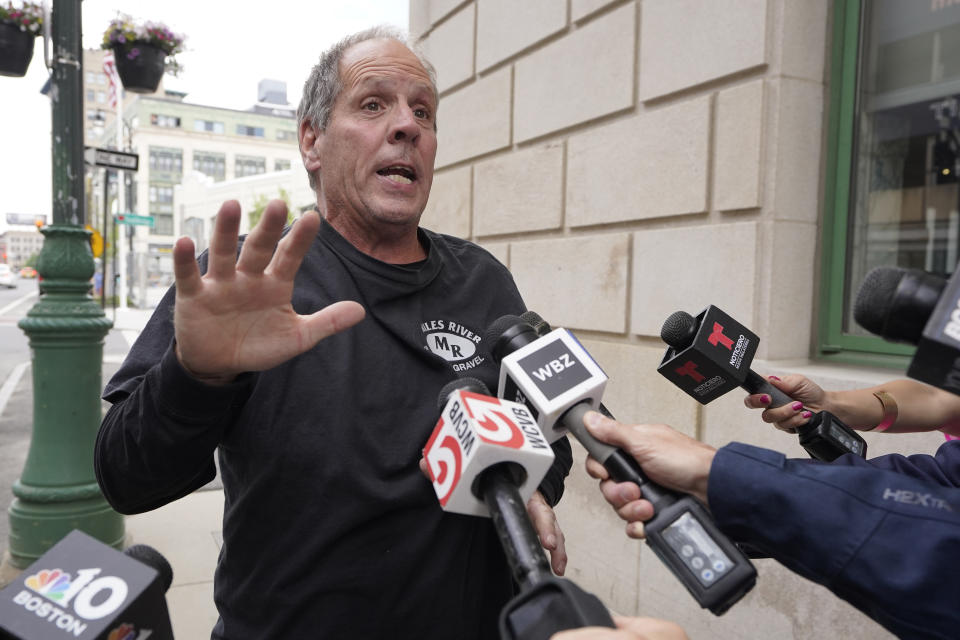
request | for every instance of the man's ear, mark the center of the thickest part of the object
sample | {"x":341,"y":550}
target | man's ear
{"x":309,"y":140}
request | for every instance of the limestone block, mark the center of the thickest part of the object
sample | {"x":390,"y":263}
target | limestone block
{"x":647,"y":166}
{"x":636,"y":392}
{"x":789,"y":290}
{"x":522,"y":191}
{"x":577,"y":283}
{"x":584,"y":75}
{"x":506,"y":27}
{"x":579,"y":9}
{"x":448,"y":209}
{"x":801,"y":37}
{"x":475,"y":119}
{"x":601,"y":558}
{"x":419,"y":20}
{"x":449,"y":48}
{"x":691,"y":267}
{"x":795,"y":114}
{"x":684,"y":43}
{"x":738,"y":148}
{"x":439,"y":9}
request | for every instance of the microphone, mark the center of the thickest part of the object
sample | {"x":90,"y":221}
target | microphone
{"x":82,"y":588}
{"x":919,"y":308}
{"x":559,"y":381}
{"x":486,"y":457}
{"x":711,"y":354}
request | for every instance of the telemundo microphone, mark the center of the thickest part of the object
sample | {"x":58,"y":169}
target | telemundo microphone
{"x":485,"y":457}
{"x":919,"y":308}
{"x":86,"y":590}
{"x":560,"y":382}
{"x":709,"y":355}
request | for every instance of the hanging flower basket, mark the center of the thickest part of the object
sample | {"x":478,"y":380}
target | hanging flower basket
{"x":16,"y":50}
{"x":140,"y":66}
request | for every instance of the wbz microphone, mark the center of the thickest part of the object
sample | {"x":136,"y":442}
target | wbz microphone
{"x":711,"y":354}
{"x":486,"y":457}
{"x":559,"y":382}
{"x":913,"y":306}
{"x":82,"y":588}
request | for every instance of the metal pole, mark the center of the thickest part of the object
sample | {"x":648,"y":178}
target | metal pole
{"x":106,"y":239}
{"x":57,"y":491}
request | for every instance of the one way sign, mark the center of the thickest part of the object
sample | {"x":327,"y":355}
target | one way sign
{"x":111,"y":159}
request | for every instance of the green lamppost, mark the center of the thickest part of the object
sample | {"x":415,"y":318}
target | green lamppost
{"x":57,"y":491}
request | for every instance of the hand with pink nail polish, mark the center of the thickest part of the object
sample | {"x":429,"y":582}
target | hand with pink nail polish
{"x":809,"y":397}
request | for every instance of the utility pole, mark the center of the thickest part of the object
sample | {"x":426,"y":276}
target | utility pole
{"x":57,"y":491}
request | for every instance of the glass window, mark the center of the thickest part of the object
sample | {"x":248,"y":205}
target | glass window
{"x":211,"y":164}
{"x":161,"y":120}
{"x":281,"y":165}
{"x":91,"y":95}
{"x":896,"y":196}
{"x":286,"y":134}
{"x":167,"y":160}
{"x":208,"y":125}
{"x":101,"y":97}
{"x":244,"y":130}
{"x":249,"y":166}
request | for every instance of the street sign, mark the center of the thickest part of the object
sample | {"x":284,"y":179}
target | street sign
{"x":111,"y":159}
{"x":129,"y":218}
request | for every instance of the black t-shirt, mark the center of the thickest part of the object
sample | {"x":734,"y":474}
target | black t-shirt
{"x":330,"y":529}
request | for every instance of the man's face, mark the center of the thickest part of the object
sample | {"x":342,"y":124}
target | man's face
{"x":376,"y":154}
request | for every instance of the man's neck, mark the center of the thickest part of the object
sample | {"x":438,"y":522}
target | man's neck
{"x":393,"y":244}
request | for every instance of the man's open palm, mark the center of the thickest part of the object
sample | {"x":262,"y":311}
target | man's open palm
{"x":238,"y":316}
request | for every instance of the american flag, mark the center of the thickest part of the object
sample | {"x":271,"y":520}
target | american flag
{"x":110,"y":69}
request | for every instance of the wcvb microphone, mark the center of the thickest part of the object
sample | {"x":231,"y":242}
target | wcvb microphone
{"x":486,"y":457}
{"x":711,"y":354}
{"x":913,"y":306}
{"x":82,"y":588}
{"x":558,"y":380}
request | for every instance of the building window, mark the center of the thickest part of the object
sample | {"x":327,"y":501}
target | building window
{"x":162,"y":225}
{"x":244,"y":130}
{"x":161,"y":194}
{"x":286,"y":134}
{"x":91,"y":95}
{"x":102,"y":78}
{"x":168,"y":161}
{"x":211,"y":164}
{"x":90,"y":77}
{"x":892,"y":181}
{"x":281,"y":165}
{"x":249,"y":166}
{"x":208,"y":125}
{"x":161,"y":120}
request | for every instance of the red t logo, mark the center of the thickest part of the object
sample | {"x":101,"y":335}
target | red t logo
{"x":717,"y":336}
{"x":689,"y":368}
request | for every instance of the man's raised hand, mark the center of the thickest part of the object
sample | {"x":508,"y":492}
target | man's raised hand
{"x":238,"y":316}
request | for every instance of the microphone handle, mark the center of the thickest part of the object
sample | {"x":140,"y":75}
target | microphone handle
{"x":621,"y":466}
{"x":521,"y":545}
{"x":756,"y":384}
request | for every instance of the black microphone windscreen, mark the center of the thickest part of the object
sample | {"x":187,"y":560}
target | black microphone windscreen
{"x":153,"y":559}
{"x":678,"y":330}
{"x":535,"y":320}
{"x":875,"y":298}
{"x":895,"y":303}
{"x":500,"y":325}
{"x":467,"y":384}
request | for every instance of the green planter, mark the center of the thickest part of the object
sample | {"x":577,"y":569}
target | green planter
{"x":140,"y":66}
{"x":16,"y":50}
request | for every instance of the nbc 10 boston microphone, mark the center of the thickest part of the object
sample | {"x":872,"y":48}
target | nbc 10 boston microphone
{"x":918,"y":308}
{"x":83,"y":589}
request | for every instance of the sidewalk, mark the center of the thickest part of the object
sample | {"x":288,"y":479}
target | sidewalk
{"x":187,"y":532}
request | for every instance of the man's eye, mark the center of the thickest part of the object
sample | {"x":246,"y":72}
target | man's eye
{"x":372,"y":106}
{"x":421,"y":113}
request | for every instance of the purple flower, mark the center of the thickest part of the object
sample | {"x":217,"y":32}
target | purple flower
{"x":133,"y":53}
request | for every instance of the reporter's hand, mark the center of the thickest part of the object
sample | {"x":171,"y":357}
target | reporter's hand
{"x":627,"y":629}
{"x":548,"y":530}
{"x":808,"y":397}
{"x":667,"y":456}
{"x":238,"y":316}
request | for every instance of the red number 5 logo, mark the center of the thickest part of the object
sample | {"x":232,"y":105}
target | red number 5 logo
{"x":444,"y":464}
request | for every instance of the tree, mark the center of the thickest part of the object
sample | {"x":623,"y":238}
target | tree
{"x":260,"y":205}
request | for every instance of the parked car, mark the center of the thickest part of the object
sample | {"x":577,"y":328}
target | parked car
{"x":7,"y":278}
{"x":28,"y":272}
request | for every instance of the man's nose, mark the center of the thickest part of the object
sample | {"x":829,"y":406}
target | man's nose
{"x":404,"y":127}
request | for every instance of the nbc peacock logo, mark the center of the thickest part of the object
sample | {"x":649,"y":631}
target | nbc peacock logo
{"x":51,"y":584}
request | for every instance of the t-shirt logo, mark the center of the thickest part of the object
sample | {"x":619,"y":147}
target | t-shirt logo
{"x":453,"y":342}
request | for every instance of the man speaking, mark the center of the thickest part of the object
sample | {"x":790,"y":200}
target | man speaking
{"x":330,"y":530}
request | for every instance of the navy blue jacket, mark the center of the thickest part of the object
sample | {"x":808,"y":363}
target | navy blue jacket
{"x":883,"y":534}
